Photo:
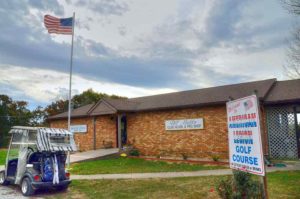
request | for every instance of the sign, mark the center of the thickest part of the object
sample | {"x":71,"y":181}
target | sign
{"x":78,"y":128}
{"x":245,"y":147}
{"x":187,"y":124}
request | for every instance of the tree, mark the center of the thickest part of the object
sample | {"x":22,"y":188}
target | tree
{"x":86,"y":97}
{"x":56,"y":107}
{"x":293,"y":6}
{"x":38,"y":117}
{"x":12,"y":113}
{"x":89,"y":96}
{"x":292,"y":67}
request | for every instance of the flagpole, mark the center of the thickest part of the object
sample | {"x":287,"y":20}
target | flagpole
{"x":70,"y":83}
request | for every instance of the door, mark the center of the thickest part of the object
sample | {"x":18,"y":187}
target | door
{"x":124,"y":130}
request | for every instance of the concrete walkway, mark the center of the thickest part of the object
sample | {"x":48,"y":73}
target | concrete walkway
{"x":82,"y":156}
{"x":173,"y":174}
{"x":87,"y":155}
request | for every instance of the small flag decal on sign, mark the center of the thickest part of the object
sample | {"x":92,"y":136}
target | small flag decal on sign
{"x":248,"y":104}
{"x":58,"y":26}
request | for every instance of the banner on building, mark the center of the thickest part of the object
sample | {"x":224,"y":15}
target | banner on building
{"x":78,"y":128}
{"x":244,"y":134}
{"x":186,"y":124}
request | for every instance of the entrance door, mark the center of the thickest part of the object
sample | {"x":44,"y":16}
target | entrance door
{"x":124,"y":130}
{"x":121,"y":131}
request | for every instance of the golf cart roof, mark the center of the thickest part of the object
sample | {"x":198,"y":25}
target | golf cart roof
{"x":47,"y":139}
{"x":20,"y":129}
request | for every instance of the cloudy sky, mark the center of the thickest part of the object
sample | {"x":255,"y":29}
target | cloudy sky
{"x":140,"y":47}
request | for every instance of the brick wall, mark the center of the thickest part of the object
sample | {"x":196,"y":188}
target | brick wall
{"x":146,"y":131}
{"x":105,"y":131}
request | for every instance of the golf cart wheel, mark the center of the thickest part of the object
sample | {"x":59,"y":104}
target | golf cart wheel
{"x":26,"y":187}
{"x":62,"y":187}
{"x":3,"y":181}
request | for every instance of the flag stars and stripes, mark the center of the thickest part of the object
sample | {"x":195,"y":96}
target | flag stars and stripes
{"x":59,"y":25}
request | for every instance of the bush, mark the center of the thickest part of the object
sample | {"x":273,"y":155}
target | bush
{"x":240,"y":186}
{"x":215,"y":158}
{"x":184,"y":156}
{"x":224,"y":188}
{"x":134,"y":152}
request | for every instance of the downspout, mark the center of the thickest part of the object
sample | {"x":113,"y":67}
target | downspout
{"x":94,"y":131}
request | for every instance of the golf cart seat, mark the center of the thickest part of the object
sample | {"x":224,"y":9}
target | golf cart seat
{"x":34,"y":157}
{"x":12,"y":167}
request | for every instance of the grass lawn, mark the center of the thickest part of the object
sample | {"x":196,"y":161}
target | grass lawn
{"x":283,"y":184}
{"x":2,"y":156}
{"x":132,"y":165}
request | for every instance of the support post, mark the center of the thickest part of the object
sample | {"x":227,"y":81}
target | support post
{"x":94,"y":131}
{"x":70,"y":83}
{"x":263,"y":179}
{"x":119,"y":132}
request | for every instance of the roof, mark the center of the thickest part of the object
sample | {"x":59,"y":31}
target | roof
{"x":270,"y":90}
{"x":78,"y":112}
{"x":284,"y":91}
{"x":22,"y":129}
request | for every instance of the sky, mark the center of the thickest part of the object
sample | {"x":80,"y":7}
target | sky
{"x":140,"y":47}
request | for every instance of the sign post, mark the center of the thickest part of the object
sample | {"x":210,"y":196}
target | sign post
{"x":244,"y":137}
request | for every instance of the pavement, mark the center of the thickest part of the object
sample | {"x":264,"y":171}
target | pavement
{"x":174,"y":174}
{"x":82,"y":156}
{"x":10,"y":193}
{"x":13,"y":191}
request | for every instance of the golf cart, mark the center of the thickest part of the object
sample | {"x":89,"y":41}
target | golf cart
{"x":36,"y":158}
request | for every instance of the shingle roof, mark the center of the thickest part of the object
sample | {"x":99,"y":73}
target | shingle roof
{"x":284,"y":91}
{"x":205,"y":96}
{"x":78,"y":112}
{"x":267,"y":90}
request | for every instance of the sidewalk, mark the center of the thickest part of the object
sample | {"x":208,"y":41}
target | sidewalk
{"x":81,"y":156}
{"x":172,"y":174}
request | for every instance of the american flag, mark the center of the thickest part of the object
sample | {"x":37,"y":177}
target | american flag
{"x":248,"y":104}
{"x":58,"y":26}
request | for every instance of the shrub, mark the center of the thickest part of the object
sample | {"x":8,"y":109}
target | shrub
{"x":184,"y":156}
{"x":240,"y":186}
{"x":215,"y":158}
{"x":224,"y":188}
{"x":134,"y":152}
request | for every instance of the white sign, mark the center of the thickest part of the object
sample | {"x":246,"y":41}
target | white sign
{"x":245,"y":147}
{"x":78,"y":128}
{"x":187,"y":124}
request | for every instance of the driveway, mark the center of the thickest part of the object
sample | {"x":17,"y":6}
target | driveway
{"x":10,"y":192}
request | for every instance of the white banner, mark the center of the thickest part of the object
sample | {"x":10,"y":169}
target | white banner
{"x":187,"y":124}
{"x":78,"y":128}
{"x":245,"y":147}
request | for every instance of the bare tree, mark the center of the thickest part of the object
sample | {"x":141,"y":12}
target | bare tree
{"x":293,"y":6}
{"x":292,"y":67}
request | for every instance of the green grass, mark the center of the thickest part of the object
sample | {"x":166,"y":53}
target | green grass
{"x":2,"y":156}
{"x":132,"y":165}
{"x":284,"y":184}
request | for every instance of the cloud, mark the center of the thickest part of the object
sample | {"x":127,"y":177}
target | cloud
{"x":41,"y":86}
{"x":105,"y":7}
{"x":47,"y":6}
{"x":199,"y":43}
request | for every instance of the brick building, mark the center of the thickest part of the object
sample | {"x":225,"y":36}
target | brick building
{"x":141,"y":122}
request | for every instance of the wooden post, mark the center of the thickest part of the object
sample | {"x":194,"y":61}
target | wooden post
{"x":263,"y":179}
